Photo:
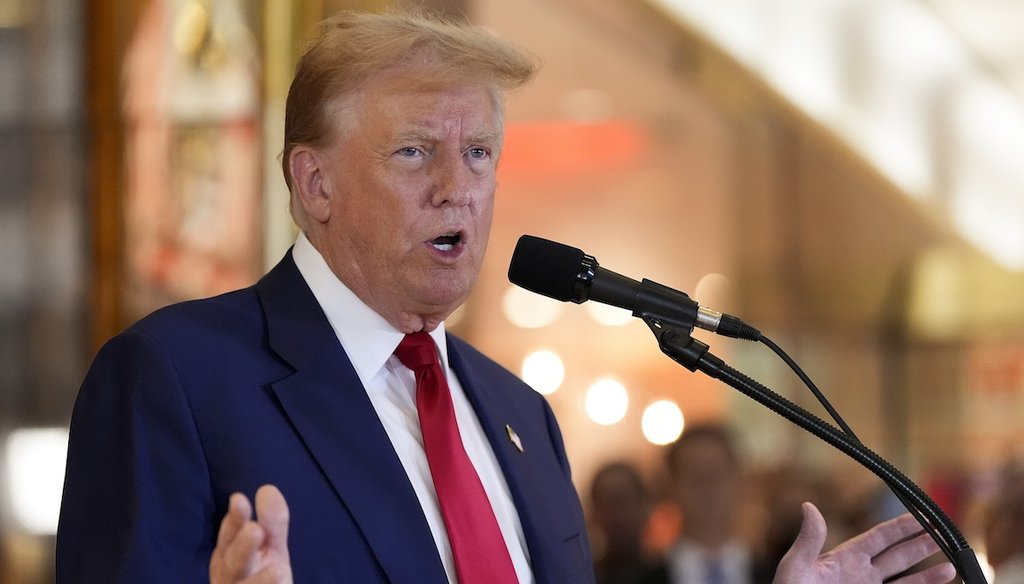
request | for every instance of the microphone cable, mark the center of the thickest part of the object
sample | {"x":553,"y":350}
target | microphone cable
{"x":748,"y":332}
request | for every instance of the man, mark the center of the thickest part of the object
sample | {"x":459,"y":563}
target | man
{"x":393,"y":132}
{"x":620,"y":508}
{"x":706,"y":480}
{"x":1003,"y":527}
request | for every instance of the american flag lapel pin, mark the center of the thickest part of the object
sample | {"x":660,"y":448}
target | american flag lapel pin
{"x":514,"y":438}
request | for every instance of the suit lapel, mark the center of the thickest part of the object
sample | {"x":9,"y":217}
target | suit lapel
{"x":330,"y":410}
{"x":530,"y":486}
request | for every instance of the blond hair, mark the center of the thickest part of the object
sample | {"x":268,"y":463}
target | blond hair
{"x":353,"y":46}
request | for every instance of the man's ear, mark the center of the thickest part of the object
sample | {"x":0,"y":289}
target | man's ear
{"x":309,"y":182}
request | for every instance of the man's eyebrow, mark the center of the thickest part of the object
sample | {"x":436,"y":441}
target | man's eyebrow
{"x":488,"y":137}
{"x":416,"y":135}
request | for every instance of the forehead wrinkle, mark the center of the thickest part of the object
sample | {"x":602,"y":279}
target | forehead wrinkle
{"x":417,"y":135}
{"x":484,"y":136}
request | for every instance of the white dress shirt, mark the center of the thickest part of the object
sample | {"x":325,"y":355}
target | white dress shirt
{"x":370,"y":342}
{"x":688,"y":562}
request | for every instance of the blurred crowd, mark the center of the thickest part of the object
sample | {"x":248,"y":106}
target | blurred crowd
{"x":704,"y":517}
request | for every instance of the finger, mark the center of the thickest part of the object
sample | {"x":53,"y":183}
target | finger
{"x":272,"y":514}
{"x":272,"y":574}
{"x":239,"y":511}
{"x":241,"y":557}
{"x":940,"y":574}
{"x":884,"y":535}
{"x":905,"y":554}
{"x":809,"y":542}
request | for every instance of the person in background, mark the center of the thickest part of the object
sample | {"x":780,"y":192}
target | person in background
{"x":780,"y":490}
{"x":321,"y":425}
{"x":1003,"y":528}
{"x":706,"y":481}
{"x":706,"y":473}
{"x":620,"y":507}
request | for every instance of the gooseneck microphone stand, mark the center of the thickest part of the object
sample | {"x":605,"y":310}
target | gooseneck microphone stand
{"x":676,"y":342}
{"x":566,"y":274}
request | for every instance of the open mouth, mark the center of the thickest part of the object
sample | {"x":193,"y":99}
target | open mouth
{"x":446,"y":242}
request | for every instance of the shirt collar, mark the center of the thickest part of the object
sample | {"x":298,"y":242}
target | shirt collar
{"x":367,"y":337}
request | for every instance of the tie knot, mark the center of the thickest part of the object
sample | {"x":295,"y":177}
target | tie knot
{"x":417,"y":351}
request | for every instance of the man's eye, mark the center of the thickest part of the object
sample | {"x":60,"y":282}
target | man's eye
{"x":478,"y":153}
{"x":410,"y":151}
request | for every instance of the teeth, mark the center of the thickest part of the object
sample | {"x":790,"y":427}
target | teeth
{"x":446,"y":242}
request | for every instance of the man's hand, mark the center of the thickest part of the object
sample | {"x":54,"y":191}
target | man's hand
{"x":870,"y":558}
{"x":253,"y":552}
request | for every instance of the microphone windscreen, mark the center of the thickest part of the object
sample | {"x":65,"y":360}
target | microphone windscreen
{"x":545,"y":267}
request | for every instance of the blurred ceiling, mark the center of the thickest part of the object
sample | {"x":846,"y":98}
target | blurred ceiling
{"x":991,"y":30}
{"x":929,"y":92}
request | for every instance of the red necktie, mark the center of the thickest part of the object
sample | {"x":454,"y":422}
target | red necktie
{"x":477,"y":544}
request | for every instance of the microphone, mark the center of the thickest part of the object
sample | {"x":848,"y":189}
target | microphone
{"x":566,"y":273}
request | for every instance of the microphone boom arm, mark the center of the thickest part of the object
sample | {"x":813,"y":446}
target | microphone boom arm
{"x":676,"y":342}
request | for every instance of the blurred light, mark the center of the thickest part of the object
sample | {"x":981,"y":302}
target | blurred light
{"x":543,"y":370}
{"x":880,"y":73}
{"x":528,"y":310}
{"x":17,"y":13}
{"x":192,"y":29}
{"x":35,"y":467}
{"x":608,"y":315}
{"x":662,"y":422}
{"x":713,"y":291}
{"x":566,"y":150}
{"x":986,"y":568}
{"x":800,"y":54}
{"x":987,"y":204}
{"x":606,"y":401}
{"x":937,"y":295}
{"x":908,"y":55}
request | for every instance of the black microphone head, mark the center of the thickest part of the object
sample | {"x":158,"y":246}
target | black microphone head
{"x":545,"y":267}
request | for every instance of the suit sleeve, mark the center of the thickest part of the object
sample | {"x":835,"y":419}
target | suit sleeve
{"x":137,"y":503}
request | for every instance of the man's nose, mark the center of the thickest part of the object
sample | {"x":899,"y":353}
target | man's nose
{"x":453,"y":181}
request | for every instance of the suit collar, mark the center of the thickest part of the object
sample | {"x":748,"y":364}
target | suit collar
{"x":334,"y":417}
{"x":326,"y":403}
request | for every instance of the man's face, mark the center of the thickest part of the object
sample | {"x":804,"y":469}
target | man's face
{"x":411,"y":180}
{"x":707,"y":482}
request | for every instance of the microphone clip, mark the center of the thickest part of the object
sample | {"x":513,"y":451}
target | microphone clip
{"x":676,"y":342}
{"x":665,"y":305}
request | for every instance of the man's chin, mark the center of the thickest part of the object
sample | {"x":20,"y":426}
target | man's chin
{"x":441,"y":304}
{"x":445,"y":288}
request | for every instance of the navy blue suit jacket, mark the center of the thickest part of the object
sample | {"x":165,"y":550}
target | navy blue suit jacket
{"x":209,"y":397}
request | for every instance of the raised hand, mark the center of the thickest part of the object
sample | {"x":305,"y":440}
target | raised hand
{"x":253,"y":551}
{"x":872,"y":557}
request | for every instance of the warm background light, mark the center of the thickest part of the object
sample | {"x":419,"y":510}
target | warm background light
{"x":713,"y":291}
{"x":608,"y":315}
{"x":35,"y":466}
{"x":543,"y":370}
{"x":606,"y":401}
{"x":900,"y":81}
{"x":662,"y":422}
{"x":528,"y":310}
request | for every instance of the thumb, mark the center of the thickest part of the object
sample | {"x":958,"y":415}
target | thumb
{"x":272,"y":514}
{"x":811,"y":539}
